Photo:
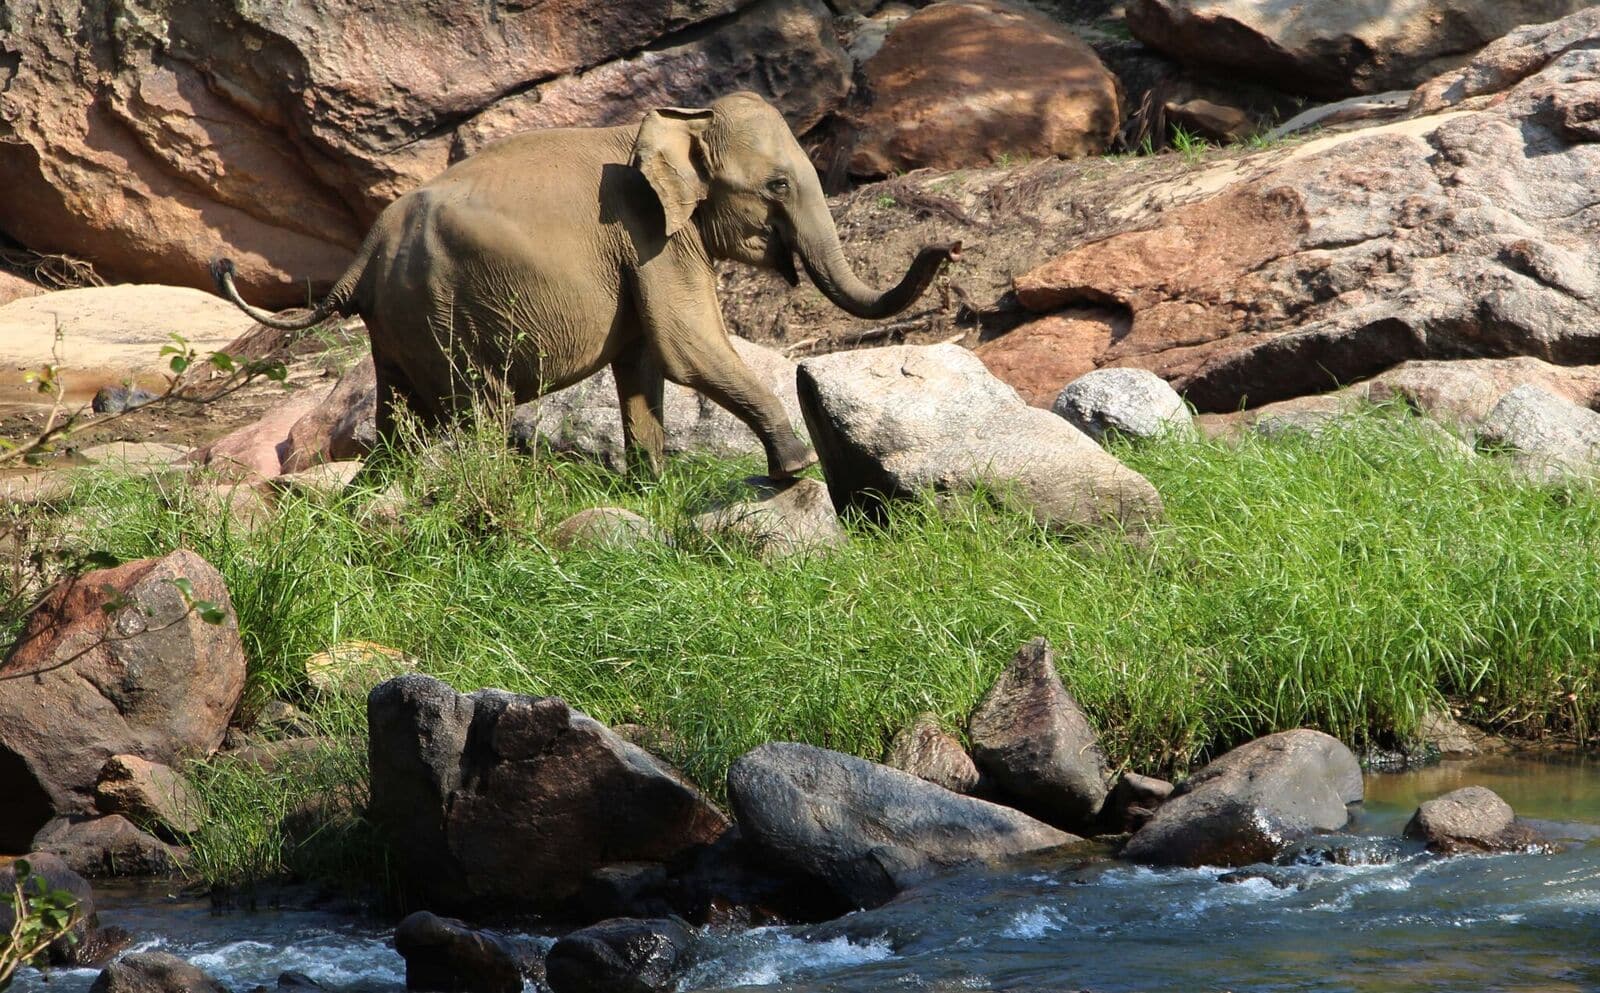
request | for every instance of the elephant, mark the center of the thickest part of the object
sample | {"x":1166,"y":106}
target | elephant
{"x":542,"y":258}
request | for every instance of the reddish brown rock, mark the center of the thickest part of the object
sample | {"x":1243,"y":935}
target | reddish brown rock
{"x":148,"y":678}
{"x":343,"y":425}
{"x":926,"y":750}
{"x":1044,"y":355}
{"x":976,"y":82}
{"x":149,"y":793}
{"x":13,"y":287}
{"x":257,"y":451}
{"x":1331,"y":49}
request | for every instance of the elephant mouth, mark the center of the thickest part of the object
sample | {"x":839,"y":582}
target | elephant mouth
{"x":780,"y":256}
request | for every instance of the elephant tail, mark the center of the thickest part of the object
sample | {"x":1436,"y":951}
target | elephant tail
{"x":337,"y":302}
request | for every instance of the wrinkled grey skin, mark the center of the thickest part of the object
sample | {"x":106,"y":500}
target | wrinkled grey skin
{"x":543,"y":258}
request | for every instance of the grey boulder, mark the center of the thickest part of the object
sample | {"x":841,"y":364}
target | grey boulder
{"x":863,"y":832}
{"x":1131,"y":403}
{"x":793,"y":517}
{"x":1471,"y":819}
{"x":154,"y":972}
{"x":1036,"y":746}
{"x":1549,"y":438}
{"x":1253,"y":802}
{"x":907,"y":420}
{"x":493,"y":797}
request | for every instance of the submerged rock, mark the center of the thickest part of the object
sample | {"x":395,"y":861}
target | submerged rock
{"x":1471,"y":819}
{"x":1253,"y":802}
{"x":863,"y":831}
{"x":447,"y":956}
{"x":623,"y":955}
{"x":1036,"y":746}
{"x":154,"y":972}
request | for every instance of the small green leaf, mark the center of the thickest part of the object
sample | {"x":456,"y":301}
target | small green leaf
{"x":185,"y":589}
{"x":179,"y":363}
{"x":223,"y":361}
{"x":210,"y":612}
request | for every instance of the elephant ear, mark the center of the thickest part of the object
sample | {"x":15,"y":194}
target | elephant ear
{"x":665,"y":152}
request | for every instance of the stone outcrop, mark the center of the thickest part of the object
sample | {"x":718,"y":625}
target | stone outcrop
{"x":148,"y":678}
{"x":907,"y":420}
{"x":584,"y":418}
{"x":343,"y":425}
{"x":514,"y":800}
{"x":862,"y":831}
{"x":446,"y":956}
{"x":1471,"y":819}
{"x":1253,"y":802}
{"x":108,"y":333}
{"x":976,"y":82}
{"x":1035,"y":745}
{"x":1332,"y":49}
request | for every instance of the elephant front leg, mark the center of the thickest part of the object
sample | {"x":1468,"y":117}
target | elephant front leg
{"x":639,"y":394}
{"x":682,"y":323}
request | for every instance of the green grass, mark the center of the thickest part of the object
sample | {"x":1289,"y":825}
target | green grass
{"x":1349,"y":582}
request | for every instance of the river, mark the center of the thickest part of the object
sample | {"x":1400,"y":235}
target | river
{"x":1393,"y":921}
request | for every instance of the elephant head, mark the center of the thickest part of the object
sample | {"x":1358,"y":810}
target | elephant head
{"x":736,"y":171}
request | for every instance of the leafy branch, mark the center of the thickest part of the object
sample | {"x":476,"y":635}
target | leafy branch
{"x":41,"y":915}
{"x":192,"y":380}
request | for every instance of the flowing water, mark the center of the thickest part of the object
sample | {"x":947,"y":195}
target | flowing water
{"x":1379,"y":917}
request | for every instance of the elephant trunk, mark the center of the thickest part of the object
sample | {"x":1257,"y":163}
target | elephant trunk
{"x":824,"y":261}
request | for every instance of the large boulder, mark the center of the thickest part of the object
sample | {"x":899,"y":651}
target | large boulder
{"x":154,"y":972}
{"x":513,"y":800}
{"x":907,"y":420}
{"x":443,"y":955}
{"x":273,"y":135}
{"x":1548,"y":437}
{"x":584,"y":419}
{"x":1471,"y":819}
{"x":257,"y":451}
{"x":1253,"y":802}
{"x":1508,"y":60}
{"x":139,"y":671}
{"x":1036,"y":746}
{"x":619,"y":956}
{"x":975,"y":82}
{"x":108,"y":333}
{"x":862,"y":831}
{"x":1332,"y":49}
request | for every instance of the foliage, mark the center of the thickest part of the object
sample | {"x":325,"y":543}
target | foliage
{"x":1350,"y":582}
{"x":40,"y":915}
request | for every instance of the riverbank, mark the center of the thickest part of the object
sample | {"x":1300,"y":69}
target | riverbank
{"x":1351,"y":580}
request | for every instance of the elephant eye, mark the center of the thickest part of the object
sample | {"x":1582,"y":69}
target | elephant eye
{"x":778,"y":187}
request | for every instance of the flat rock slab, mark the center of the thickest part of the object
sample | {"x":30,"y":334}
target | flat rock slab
{"x":1253,"y":802}
{"x":109,"y":333}
{"x":864,"y":831}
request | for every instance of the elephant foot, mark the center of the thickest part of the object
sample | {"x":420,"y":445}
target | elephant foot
{"x":792,"y":466}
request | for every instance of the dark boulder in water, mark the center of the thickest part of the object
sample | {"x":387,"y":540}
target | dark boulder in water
{"x":619,"y":956}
